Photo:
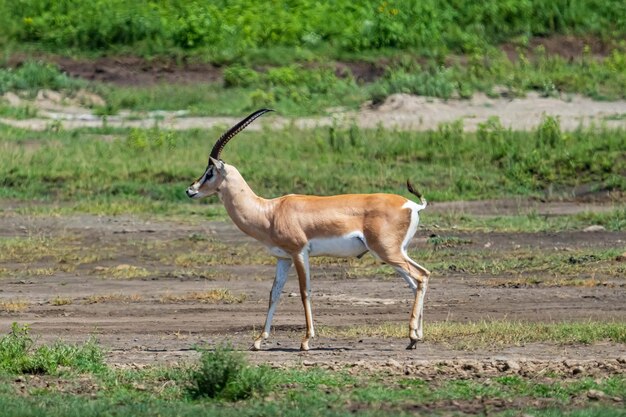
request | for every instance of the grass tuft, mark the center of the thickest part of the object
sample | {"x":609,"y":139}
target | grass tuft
{"x":18,"y":355}
{"x":148,"y":170}
{"x":114,"y":298}
{"x":61,"y":301}
{"x":219,"y":295}
{"x":32,"y":76}
{"x":225,"y":374}
{"x":123,"y":271}
{"x":13,"y":306}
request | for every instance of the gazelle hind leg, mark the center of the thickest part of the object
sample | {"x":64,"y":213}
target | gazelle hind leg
{"x":388,"y":249}
{"x":425,"y":274}
{"x":420,"y":320}
{"x":301,"y":262}
{"x":282,"y":270}
{"x":417,"y":278}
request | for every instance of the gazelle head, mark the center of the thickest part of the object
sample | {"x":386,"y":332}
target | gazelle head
{"x":215,"y":173}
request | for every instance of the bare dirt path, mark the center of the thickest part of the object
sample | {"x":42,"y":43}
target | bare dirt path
{"x":399,"y":111}
{"x":140,"y":321}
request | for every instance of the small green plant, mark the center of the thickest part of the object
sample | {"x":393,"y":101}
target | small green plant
{"x":439,"y":242}
{"x":225,"y":374}
{"x":238,"y":76}
{"x":140,"y":140}
{"x":34,"y":75}
{"x":437,"y":82}
{"x":548,"y":133}
{"x":19,"y":112}
{"x":496,"y":136}
{"x":18,"y":354}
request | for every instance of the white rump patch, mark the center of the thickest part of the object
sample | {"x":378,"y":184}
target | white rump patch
{"x":415,"y":219}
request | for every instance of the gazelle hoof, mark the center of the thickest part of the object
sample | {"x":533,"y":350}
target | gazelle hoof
{"x":256,"y":345}
{"x":304,"y":346}
{"x":413,"y":343}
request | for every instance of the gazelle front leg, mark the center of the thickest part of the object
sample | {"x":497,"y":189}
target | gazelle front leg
{"x":282,"y":270}
{"x":301,"y":261}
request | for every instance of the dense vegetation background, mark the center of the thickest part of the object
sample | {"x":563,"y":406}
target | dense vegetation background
{"x":302,"y":57}
{"x":234,"y":30}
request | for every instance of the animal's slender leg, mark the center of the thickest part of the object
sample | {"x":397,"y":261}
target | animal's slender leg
{"x":420,"y":323}
{"x":416,"y":276}
{"x":425,"y":274}
{"x":301,"y":261}
{"x":282,"y":270}
{"x":407,"y":277}
{"x":416,"y":332}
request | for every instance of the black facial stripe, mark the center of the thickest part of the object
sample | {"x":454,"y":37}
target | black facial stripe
{"x":207,"y":175}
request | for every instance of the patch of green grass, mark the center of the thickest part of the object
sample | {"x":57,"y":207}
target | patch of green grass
{"x":291,"y":90}
{"x":485,"y":334}
{"x":531,"y":222}
{"x":19,"y":113}
{"x":225,"y":374}
{"x":592,"y":411}
{"x":35,"y":75}
{"x":223,"y":383}
{"x":154,"y":166}
{"x":312,"y":391}
{"x":28,"y":249}
{"x":299,"y":90}
{"x":237,"y":31}
{"x":284,"y":56}
{"x":523,"y":266}
{"x":539,"y":263}
{"x":613,"y":220}
{"x":19,"y":355}
{"x":447,"y":241}
{"x":63,"y":252}
{"x":617,"y":116}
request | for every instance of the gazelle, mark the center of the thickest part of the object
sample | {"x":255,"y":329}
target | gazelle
{"x":297,"y":227}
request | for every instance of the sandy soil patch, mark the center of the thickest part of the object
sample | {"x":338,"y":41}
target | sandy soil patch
{"x":399,"y":111}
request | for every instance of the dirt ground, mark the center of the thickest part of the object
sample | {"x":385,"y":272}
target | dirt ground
{"x":138,"y":325}
{"x":399,"y":111}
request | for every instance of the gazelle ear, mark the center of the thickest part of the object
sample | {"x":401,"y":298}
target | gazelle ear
{"x":219,"y":165}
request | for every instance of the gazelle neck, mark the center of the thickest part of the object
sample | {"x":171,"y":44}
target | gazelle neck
{"x":248,"y":211}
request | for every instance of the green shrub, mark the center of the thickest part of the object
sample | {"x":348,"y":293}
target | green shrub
{"x":496,"y":136}
{"x":232,"y":29}
{"x":19,"y":112}
{"x":34,"y":75}
{"x":238,"y":76}
{"x":225,"y":374}
{"x":139,"y":140}
{"x":18,"y":355}
{"x":548,"y":132}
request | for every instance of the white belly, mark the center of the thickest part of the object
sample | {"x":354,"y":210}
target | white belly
{"x":342,"y":247}
{"x":346,"y":246}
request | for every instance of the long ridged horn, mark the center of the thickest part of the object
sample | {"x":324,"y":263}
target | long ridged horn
{"x":223,"y":140}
